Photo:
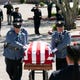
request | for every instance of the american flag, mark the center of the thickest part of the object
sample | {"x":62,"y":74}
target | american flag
{"x":38,"y":52}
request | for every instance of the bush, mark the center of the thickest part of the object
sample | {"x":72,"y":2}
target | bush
{"x":42,"y":4}
{"x":22,"y":1}
{"x":79,"y":11}
{"x":54,"y":27}
{"x":53,"y":14}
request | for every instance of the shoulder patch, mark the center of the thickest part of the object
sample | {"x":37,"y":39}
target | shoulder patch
{"x":54,"y":32}
{"x":9,"y":32}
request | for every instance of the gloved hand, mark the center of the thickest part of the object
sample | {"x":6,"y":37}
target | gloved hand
{"x":54,"y":50}
{"x":25,"y":47}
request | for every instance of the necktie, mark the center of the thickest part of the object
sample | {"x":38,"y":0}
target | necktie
{"x":60,"y":36}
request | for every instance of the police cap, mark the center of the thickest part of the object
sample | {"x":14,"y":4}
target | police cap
{"x":59,"y":24}
{"x":18,"y":20}
{"x":17,"y":24}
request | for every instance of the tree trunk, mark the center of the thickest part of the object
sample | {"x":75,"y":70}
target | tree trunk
{"x":69,"y":13}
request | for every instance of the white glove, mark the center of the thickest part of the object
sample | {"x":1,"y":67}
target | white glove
{"x":54,"y":50}
{"x":25,"y":47}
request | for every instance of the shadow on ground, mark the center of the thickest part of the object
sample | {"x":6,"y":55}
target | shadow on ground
{"x":42,"y":37}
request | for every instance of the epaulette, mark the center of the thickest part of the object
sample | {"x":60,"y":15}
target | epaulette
{"x":54,"y":32}
{"x":22,"y":29}
{"x":9,"y":32}
{"x":65,"y":31}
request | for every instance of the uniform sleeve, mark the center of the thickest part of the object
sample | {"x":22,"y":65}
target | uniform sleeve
{"x":5,"y":6}
{"x":26,"y":36}
{"x":11,"y":42}
{"x":11,"y":7}
{"x":53,"y":43}
{"x":20,"y":15}
{"x":33,"y":9}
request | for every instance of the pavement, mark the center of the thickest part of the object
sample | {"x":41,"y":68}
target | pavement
{"x":25,"y":10}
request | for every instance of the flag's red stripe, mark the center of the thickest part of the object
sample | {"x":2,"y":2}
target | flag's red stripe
{"x":30,"y":53}
{"x":46,"y":53}
{"x":38,"y":53}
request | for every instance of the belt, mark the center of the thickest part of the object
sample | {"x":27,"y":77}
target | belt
{"x":7,"y":45}
{"x":13,"y":48}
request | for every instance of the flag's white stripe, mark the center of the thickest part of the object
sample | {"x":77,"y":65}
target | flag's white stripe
{"x":34,"y":52}
{"x":42,"y":52}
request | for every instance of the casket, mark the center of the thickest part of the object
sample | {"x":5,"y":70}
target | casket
{"x":38,"y":52}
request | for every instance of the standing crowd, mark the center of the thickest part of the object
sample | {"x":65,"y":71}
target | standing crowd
{"x":67,"y":55}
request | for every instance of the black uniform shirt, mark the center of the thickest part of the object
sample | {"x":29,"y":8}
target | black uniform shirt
{"x":9,"y":8}
{"x":16,"y":15}
{"x":37,"y":13}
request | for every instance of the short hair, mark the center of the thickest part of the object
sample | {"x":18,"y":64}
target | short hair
{"x":36,"y":4}
{"x":73,"y":52}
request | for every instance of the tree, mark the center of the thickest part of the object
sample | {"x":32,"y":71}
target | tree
{"x":70,"y":13}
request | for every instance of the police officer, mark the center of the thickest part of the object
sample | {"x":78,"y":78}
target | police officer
{"x":9,"y":8}
{"x":1,"y":19}
{"x":16,"y":39}
{"x":17,"y":15}
{"x":59,"y":41}
{"x":49,"y":7}
{"x":37,"y":18}
{"x":72,"y":71}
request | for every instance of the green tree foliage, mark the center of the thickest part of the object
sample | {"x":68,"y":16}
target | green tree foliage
{"x":22,"y":1}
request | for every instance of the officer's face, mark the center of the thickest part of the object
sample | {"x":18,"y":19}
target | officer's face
{"x":16,"y":10}
{"x":60,"y":29}
{"x":37,"y":7}
{"x":17,"y":30}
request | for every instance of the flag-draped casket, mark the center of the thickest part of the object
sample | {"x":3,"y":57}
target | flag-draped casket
{"x":38,"y":52}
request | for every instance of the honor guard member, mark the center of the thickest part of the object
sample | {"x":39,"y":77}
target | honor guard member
{"x":17,"y":15}
{"x":49,"y":8}
{"x":9,"y":8}
{"x":37,"y":18}
{"x":16,"y":39}
{"x":72,"y":71}
{"x":59,"y":41}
